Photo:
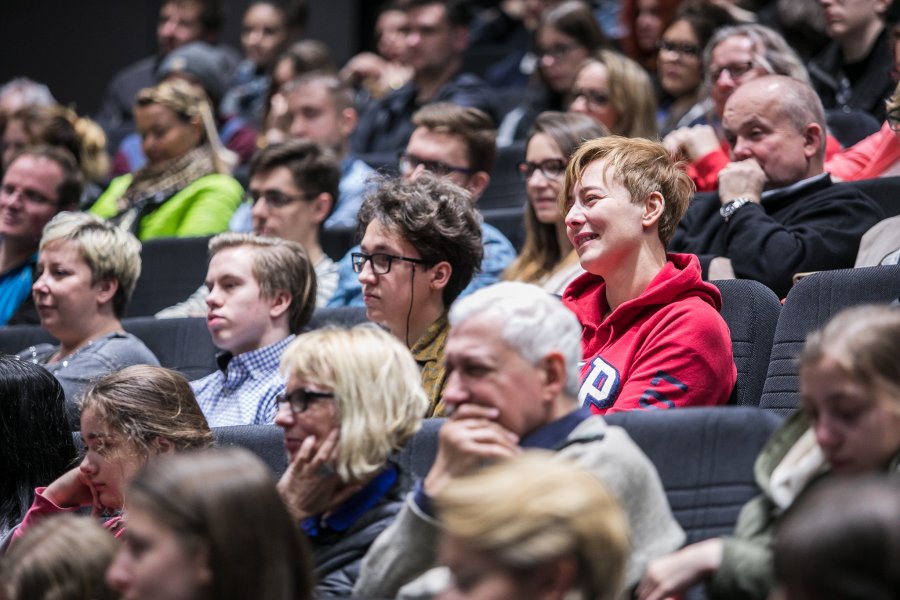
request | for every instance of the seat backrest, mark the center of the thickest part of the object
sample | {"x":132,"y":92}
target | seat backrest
{"x":16,"y":338}
{"x":751,"y":311}
{"x":418,"y":455}
{"x":337,"y":241}
{"x":850,"y":126}
{"x":344,"y":317}
{"x":510,"y":222}
{"x":180,"y":344}
{"x":265,"y":441}
{"x":809,"y":305}
{"x":506,"y":188}
{"x":885,"y":191}
{"x":171,"y":270}
{"x":705,"y":459}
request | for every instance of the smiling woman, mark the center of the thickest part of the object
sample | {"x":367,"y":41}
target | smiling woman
{"x":652,"y":331}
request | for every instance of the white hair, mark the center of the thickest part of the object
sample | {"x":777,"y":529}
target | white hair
{"x":534,"y":322}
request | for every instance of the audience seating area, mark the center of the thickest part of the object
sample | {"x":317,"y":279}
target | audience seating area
{"x":171,"y":270}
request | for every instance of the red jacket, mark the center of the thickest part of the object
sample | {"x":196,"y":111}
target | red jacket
{"x":868,"y":158}
{"x":668,"y":347}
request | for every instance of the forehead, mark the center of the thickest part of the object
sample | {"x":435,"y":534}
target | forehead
{"x":592,"y":74}
{"x":186,"y":11}
{"x":549,"y":36}
{"x":236,"y":261}
{"x":152,"y":114}
{"x":479,"y":336}
{"x":280,"y":178}
{"x":737,"y":48}
{"x":431,"y":145}
{"x":38,"y":172}
{"x":379,"y":238}
{"x":753,"y":102}
{"x":541,"y":146}
{"x":67,"y":251}
{"x":263,"y":14}
{"x":599,"y":174}
{"x":432,"y":15}
{"x":681,"y":31}
{"x":310,"y":95}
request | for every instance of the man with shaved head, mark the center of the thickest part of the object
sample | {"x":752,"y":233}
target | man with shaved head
{"x":777,"y":212}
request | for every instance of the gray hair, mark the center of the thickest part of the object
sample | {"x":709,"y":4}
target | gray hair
{"x":770,"y":49}
{"x":534,"y":323}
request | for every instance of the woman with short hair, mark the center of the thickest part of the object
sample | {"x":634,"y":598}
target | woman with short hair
{"x":353,"y":397}
{"x":86,"y":272}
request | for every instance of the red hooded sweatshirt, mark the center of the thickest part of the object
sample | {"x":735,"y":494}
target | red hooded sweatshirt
{"x":668,"y":347}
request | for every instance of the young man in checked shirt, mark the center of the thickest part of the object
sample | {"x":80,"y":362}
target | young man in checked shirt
{"x":262,"y":291}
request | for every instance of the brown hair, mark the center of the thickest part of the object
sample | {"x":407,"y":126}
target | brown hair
{"x":473,"y":125}
{"x":277,"y":264}
{"x":224,"y":502}
{"x":63,"y":557}
{"x":643,"y":167}
{"x":865,"y":342}
{"x":436,"y":217}
{"x":541,"y":253}
{"x":72,"y":182}
{"x":144,"y":402}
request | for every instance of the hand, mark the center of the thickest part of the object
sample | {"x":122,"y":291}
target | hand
{"x":671,"y":575}
{"x":363,"y":66}
{"x":743,"y":178}
{"x":692,"y":142}
{"x":467,"y":439}
{"x":310,"y":486}
{"x":73,"y":489}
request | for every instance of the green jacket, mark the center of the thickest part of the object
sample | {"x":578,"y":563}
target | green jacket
{"x":746,"y":571}
{"x":202,"y":208}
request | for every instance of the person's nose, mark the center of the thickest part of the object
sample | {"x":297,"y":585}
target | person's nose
{"x":742,"y":150}
{"x":455,"y":392}
{"x":367,"y":275}
{"x":40,"y":284}
{"x":826,"y":435}
{"x":574,"y":217}
{"x":579,"y":105}
{"x":214,"y":298}
{"x":118,"y":576}
{"x":284,"y":417}
{"x":87,"y":466}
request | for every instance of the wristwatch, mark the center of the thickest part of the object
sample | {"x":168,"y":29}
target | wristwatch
{"x":729,"y":208}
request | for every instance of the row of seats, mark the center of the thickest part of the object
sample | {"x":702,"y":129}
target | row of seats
{"x":766,"y":338}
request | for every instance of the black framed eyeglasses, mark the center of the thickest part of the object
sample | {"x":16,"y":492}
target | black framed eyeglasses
{"x":409,"y":162}
{"x":591,"y":97}
{"x":552,"y":168}
{"x":736,"y":70}
{"x":679,"y":48}
{"x":381,"y":262}
{"x":301,"y":399}
{"x":274,"y":197}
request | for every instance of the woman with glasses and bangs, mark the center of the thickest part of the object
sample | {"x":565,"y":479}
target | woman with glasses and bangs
{"x":547,"y":258}
{"x":679,"y":64}
{"x":352,"y":399}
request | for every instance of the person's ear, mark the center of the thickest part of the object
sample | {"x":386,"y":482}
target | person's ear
{"x":460,"y":39}
{"x":106,"y":289}
{"x":347,"y":119}
{"x":478,"y":182}
{"x":200,"y":561}
{"x":322,"y":206}
{"x":162,"y":445}
{"x":440,"y":275}
{"x":654,"y":206}
{"x":553,"y":370}
{"x":279,"y":303}
{"x":196,"y":124}
{"x":812,"y":139}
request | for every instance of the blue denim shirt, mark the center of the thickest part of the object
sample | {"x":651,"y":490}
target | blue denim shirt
{"x":498,"y":254}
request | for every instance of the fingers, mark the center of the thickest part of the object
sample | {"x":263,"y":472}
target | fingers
{"x":470,"y":410}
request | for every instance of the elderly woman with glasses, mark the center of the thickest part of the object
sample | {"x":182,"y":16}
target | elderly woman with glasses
{"x":353,"y":398}
{"x":547,"y":257}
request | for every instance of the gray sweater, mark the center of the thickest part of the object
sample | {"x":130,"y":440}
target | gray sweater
{"x":408,"y":548}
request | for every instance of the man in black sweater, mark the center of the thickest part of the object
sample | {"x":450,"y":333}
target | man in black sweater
{"x":777,"y":212}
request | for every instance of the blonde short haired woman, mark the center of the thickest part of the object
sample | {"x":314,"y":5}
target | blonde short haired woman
{"x":533,"y":526}
{"x":353,"y":397}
